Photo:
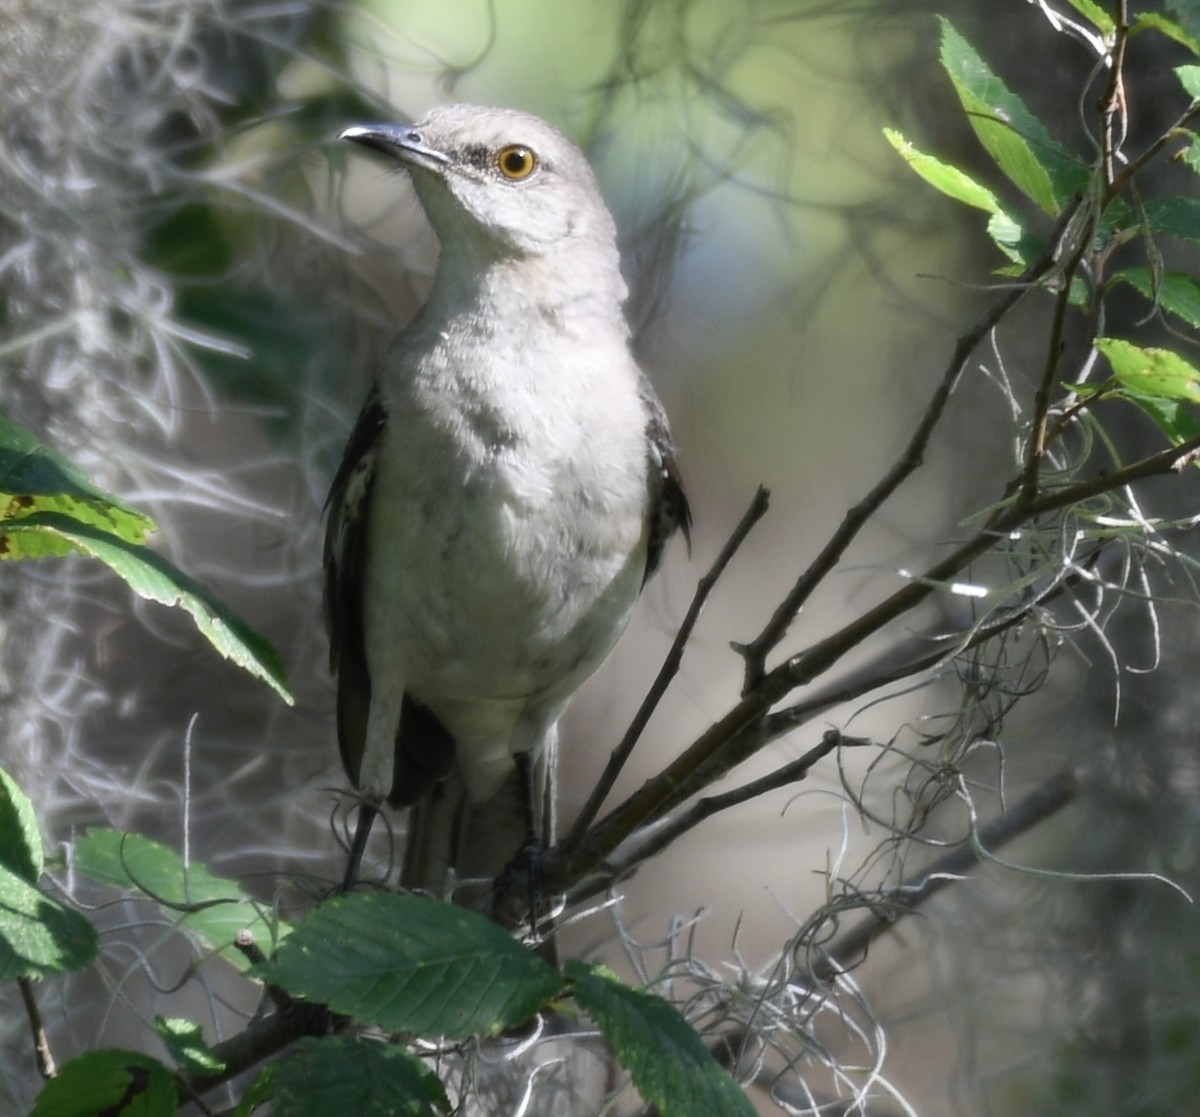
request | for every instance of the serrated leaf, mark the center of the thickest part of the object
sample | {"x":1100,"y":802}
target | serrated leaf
{"x":669,"y":1065}
{"x":1155,"y":21}
{"x":1151,"y":372}
{"x":36,"y":479}
{"x":1093,"y":11}
{"x":413,"y":965}
{"x":20,"y":839}
{"x":1172,"y":417}
{"x":1004,"y":228}
{"x":109,"y":1084}
{"x":153,"y":577}
{"x":138,"y":864}
{"x":1011,"y":134}
{"x":1174,"y":291}
{"x":39,"y":935}
{"x":351,"y":1075}
{"x":1174,"y":217}
{"x":184,"y":1039}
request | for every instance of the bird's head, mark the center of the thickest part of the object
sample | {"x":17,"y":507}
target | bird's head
{"x":496,"y":180}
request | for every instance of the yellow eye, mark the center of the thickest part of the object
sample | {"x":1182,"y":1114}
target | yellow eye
{"x":515,"y":162}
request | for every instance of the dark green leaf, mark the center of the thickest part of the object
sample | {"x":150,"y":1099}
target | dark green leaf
{"x":132,"y":862}
{"x":1174,"y":291}
{"x":109,"y":1084}
{"x":151,"y":576}
{"x":1151,"y":372}
{"x":38,"y":935}
{"x":351,"y":1075}
{"x":184,"y":1039}
{"x":20,"y":839}
{"x":1012,"y":135}
{"x":669,"y":1065}
{"x":34,"y":479}
{"x":413,"y":965}
{"x":1174,"y":217}
{"x":1172,"y":417}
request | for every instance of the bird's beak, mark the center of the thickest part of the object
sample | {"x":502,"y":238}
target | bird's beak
{"x":399,"y":141}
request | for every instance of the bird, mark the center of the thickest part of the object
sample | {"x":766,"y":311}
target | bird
{"x":507,"y":490}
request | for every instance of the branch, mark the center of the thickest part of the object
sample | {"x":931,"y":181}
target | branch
{"x":666,"y":673}
{"x":41,"y":1042}
{"x":755,"y":652}
{"x":743,"y":730}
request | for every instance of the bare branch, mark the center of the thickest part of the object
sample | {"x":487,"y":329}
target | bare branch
{"x":666,"y":673}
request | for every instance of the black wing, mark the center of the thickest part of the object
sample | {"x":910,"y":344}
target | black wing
{"x":669,"y":509}
{"x":345,"y":561}
{"x":424,"y":749}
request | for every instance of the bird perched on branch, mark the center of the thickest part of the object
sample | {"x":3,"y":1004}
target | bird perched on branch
{"x":508,"y":488}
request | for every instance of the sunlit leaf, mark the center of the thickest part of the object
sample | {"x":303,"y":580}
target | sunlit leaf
{"x":151,"y":576}
{"x":20,"y":838}
{"x":1012,"y":135}
{"x":38,"y":934}
{"x":221,"y":906}
{"x":1151,"y":372}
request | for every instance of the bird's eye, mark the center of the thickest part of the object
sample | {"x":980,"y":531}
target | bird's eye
{"x":515,"y":162}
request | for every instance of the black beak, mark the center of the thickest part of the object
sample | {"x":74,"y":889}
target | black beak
{"x":403,"y":142}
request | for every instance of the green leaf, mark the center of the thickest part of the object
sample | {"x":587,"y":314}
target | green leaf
{"x":1189,"y":78}
{"x":151,"y":576}
{"x":1174,"y":217}
{"x":109,"y":1084}
{"x":1011,"y":134}
{"x":184,"y":1039}
{"x":351,"y":1075}
{"x":34,"y":479}
{"x":39,"y":935}
{"x":413,"y":965}
{"x":20,"y":838}
{"x":132,"y":862}
{"x":1172,"y":417}
{"x":669,"y":1065}
{"x":1004,"y":228}
{"x":1151,"y":372}
{"x":1190,"y":155}
{"x":1154,"y":21}
{"x":1174,"y":291}
{"x":1091,"y":10}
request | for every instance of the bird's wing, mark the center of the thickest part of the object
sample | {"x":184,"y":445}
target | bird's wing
{"x":669,"y":510}
{"x":345,"y":561}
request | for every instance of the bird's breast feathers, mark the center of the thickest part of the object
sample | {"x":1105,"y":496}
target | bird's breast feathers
{"x":505,"y":553}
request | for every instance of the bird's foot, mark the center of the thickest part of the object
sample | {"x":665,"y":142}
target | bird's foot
{"x":506,"y":893}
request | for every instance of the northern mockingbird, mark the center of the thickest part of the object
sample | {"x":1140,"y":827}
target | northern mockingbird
{"x":507,"y":490}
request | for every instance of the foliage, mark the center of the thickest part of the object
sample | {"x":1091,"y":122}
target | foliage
{"x":379,"y":990}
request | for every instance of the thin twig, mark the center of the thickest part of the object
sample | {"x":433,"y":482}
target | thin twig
{"x":41,"y":1042}
{"x":666,"y":673}
{"x":756,"y":651}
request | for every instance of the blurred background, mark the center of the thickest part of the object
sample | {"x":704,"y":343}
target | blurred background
{"x":197,"y":283}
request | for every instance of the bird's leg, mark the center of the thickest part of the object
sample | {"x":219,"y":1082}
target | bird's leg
{"x":362,"y":831}
{"x":529,"y":856}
